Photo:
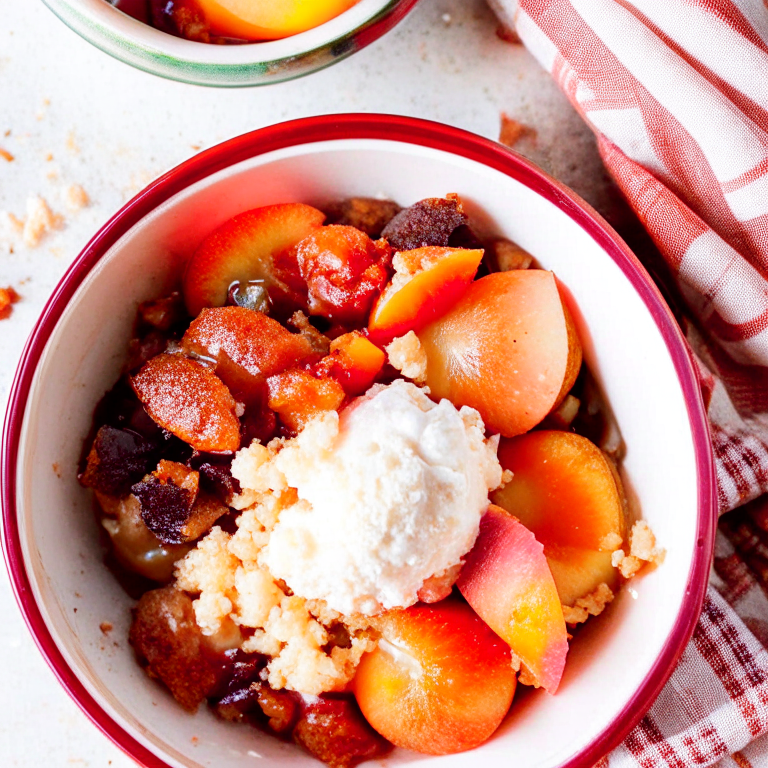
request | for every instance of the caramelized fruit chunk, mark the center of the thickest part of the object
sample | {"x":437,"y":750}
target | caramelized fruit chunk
{"x":320,"y":343}
{"x":508,"y":348}
{"x":353,"y":361}
{"x":280,"y":707}
{"x":367,"y":214}
{"x":504,"y":255}
{"x":506,"y":579}
{"x":242,"y":249}
{"x":216,"y":478}
{"x":334,"y":731}
{"x":440,"y":681}
{"x":344,"y":271}
{"x":118,"y":458}
{"x":429,"y":222}
{"x":296,"y":396}
{"x":168,"y":642}
{"x":190,"y":401}
{"x":249,"y":339}
{"x":269,"y":19}
{"x":567,"y":493}
{"x":134,"y":546}
{"x":427,"y":283}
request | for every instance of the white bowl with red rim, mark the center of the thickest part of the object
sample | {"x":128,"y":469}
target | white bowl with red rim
{"x":632,"y":344}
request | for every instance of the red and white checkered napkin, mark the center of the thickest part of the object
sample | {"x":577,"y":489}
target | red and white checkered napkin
{"x":677,"y":93}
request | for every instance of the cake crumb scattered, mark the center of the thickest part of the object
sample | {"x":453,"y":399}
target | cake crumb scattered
{"x":408,"y":356}
{"x":8,"y":297}
{"x":105,"y":627}
{"x":642,"y":551}
{"x":72,"y":145}
{"x":512,"y":132}
{"x":592,"y":604}
{"x":610,"y":542}
{"x":7,"y":156}
{"x":40,"y":220}
{"x":75,"y":197}
{"x":56,"y":469}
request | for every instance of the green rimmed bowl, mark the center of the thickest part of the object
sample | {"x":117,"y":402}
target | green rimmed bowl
{"x":275,"y":61}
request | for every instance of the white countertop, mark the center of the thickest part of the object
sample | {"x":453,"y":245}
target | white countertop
{"x":69,"y":114}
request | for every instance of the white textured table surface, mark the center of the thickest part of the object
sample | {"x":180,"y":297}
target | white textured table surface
{"x":71,"y":115}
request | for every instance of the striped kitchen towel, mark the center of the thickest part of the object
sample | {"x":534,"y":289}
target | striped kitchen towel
{"x":676,"y":92}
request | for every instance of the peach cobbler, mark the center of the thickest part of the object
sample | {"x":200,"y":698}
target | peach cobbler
{"x":359,"y":480}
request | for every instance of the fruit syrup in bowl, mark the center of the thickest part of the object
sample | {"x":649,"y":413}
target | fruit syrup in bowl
{"x":634,"y":647}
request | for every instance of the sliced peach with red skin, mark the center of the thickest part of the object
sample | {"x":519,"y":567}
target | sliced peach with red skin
{"x":189,"y":400}
{"x":427,"y":283}
{"x":354,"y":362}
{"x":508,"y":583}
{"x":508,"y":348}
{"x":243,"y":249}
{"x":567,"y":492}
{"x":439,"y":682}
{"x":250,"y":339}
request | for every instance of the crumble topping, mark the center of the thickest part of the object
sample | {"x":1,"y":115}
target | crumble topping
{"x":592,"y":604}
{"x":642,"y":551}
{"x":408,"y":356}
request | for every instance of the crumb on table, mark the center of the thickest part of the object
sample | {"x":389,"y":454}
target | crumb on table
{"x":75,"y":197}
{"x":6,"y":155}
{"x":8,"y":297}
{"x":40,"y":220}
{"x":512,"y":131}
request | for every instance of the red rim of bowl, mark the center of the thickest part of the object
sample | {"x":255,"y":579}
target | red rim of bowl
{"x":410,"y":131}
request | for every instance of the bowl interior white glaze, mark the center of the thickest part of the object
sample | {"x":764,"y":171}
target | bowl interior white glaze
{"x":623,"y":347}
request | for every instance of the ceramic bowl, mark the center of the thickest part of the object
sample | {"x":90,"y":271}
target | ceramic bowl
{"x":617,"y":664}
{"x":151,"y":50}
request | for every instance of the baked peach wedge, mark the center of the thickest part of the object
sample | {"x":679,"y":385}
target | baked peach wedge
{"x":440,"y":681}
{"x":567,"y":492}
{"x":427,"y":282}
{"x":243,"y":249}
{"x":508,"y":348}
{"x":269,"y":19}
{"x":507,"y":581}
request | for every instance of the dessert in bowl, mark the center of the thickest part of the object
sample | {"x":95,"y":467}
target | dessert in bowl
{"x":616,"y":665}
{"x":164,"y":50}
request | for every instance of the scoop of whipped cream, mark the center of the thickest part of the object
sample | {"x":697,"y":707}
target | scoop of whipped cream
{"x":391,"y":492}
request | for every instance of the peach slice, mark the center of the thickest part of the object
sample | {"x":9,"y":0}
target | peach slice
{"x":508,"y":348}
{"x":354,"y":362}
{"x":250,"y":339}
{"x":566,"y":491}
{"x":189,"y":400}
{"x":507,"y":581}
{"x":269,"y":19}
{"x":427,"y":282}
{"x":243,"y":249}
{"x":440,"y":680}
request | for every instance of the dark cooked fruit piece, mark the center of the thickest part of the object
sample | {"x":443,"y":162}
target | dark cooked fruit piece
{"x":296,"y":396}
{"x":118,"y":458}
{"x":190,"y":401}
{"x":171,"y":506}
{"x":243,"y":249}
{"x":165,"y":508}
{"x":429,"y":222}
{"x":162,"y":314}
{"x":145,"y":348}
{"x":335,"y":731}
{"x":367,"y":214}
{"x":504,"y":255}
{"x":250,"y":339}
{"x":168,"y":642}
{"x":134,"y":546}
{"x":344,"y":271}
{"x":216,"y":478}
{"x":182,"y":18}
